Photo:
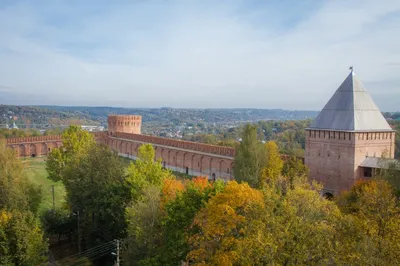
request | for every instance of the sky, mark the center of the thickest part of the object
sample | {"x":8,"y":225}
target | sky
{"x":197,"y":54}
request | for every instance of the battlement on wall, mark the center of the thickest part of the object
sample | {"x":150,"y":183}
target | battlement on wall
{"x":97,"y":135}
{"x":124,"y":118}
{"x":194,"y":146}
{"x":33,"y":139}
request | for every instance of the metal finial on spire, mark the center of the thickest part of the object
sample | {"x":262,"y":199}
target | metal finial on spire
{"x":351,"y":68}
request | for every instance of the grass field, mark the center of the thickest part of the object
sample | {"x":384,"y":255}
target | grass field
{"x":36,"y":172}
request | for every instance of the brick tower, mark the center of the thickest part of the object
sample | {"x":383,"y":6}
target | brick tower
{"x":124,"y":124}
{"x":349,"y":130}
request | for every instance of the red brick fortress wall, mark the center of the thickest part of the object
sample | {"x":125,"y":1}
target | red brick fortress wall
{"x":180,"y":144}
{"x":192,"y":158}
{"x":34,"y":146}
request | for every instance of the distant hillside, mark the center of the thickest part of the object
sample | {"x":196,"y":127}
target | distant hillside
{"x":25,"y":116}
{"x":177,"y":115}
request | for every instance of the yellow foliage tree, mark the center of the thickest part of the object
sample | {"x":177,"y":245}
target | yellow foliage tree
{"x":273,"y":169}
{"x":374,"y":219}
{"x":222,"y":224}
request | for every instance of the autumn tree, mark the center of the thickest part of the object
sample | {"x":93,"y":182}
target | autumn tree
{"x":245,"y":226}
{"x":304,"y":228}
{"x":375,"y":222}
{"x":250,"y":157}
{"x":221,"y":225}
{"x":170,"y":190}
{"x":294,"y":168}
{"x":274,"y":164}
{"x":179,"y":215}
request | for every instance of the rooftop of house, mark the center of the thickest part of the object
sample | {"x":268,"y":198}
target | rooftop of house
{"x":380,"y":163}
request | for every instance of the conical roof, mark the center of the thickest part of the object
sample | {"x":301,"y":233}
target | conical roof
{"x":351,"y":108}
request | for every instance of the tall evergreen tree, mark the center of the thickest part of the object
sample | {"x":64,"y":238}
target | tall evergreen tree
{"x":250,"y":157}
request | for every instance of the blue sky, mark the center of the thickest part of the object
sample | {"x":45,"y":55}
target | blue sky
{"x":203,"y":54}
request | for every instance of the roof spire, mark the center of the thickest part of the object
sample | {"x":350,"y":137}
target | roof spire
{"x":351,"y":68}
{"x":351,"y":108}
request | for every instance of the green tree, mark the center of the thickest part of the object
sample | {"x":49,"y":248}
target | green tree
{"x":76,"y":143}
{"x":56,"y":164}
{"x":209,"y":139}
{"x":389,"y":171}
{"x":21,"y":239}
{"x":145,"y":171}
{"x":144,"y":228}
{"x":95,"y":183}
{"x":96,"y":187}
{"x":250,"y":157}
{"x":59,"y":222}
{"x":53,"y":131}
{"x":16,"y":191}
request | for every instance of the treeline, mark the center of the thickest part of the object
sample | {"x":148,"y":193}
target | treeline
{"x":20,"y":133}
{"x":289,"y":135}
{"x":178,"y":116}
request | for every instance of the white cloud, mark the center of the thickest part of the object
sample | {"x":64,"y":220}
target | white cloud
{"x":200,"y":54}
